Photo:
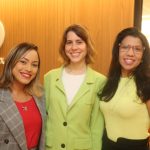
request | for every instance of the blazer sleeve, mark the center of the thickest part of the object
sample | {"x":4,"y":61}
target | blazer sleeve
{"x":46,"y":88}
{"x":41,"y":145}
{"x":97,"y":123}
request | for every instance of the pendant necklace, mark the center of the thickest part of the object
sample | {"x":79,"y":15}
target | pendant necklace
{"x":24,"y":108}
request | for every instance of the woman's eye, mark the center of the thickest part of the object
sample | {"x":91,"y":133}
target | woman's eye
{"x":125,"y":47}
{"x":79,"y":42}
{"x":138,"y":49}
{"x":22,"y":61}
{"x":68,"y":42}
{"x":35,"y":65}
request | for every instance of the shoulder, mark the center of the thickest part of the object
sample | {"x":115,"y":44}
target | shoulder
{"x":53,"y":72}
{"x":95,"y":74}
{"x":4,"y":91}
{"x":97,"y":78}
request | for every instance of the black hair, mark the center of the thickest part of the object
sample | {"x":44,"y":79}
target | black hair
{"x":141,"y":73}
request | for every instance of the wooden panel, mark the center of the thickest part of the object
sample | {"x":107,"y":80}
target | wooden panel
{"x":43,"y":21}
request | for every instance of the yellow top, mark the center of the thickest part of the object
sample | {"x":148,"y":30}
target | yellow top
{"x":125,"y":114}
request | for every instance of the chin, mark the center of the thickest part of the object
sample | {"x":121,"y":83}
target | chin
{"x":74,"y":62}
{"x":25,"y":82}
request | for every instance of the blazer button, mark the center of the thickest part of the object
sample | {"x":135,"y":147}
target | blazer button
{"x":63,"y":145}
{"x":65,"y":123}
{"x":6,"y":141}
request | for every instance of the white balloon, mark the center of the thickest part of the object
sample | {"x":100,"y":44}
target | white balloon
{"x":2,"y":33}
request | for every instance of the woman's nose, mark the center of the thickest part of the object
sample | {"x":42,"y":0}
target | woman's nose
{"x":130,"y":51}
{"x":28,"y":67}
{"x":74,"y":46}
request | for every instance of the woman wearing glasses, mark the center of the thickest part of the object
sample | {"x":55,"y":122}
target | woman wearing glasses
{"x":125,"y":98}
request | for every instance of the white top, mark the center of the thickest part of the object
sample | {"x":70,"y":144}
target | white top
{"x":71,"y":84}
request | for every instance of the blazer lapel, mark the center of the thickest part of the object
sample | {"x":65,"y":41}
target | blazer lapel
{"x":82,"y":91}
{"x":59,"y":85}
{"x":11,"y":116}
{"x":85,"y":87}
{"x":58,"y":81}
{"x":41,"y":106}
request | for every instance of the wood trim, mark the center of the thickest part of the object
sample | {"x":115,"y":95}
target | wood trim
{"x":138,"y":7}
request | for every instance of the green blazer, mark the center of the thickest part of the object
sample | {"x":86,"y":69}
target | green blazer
{"x":78,"y":125}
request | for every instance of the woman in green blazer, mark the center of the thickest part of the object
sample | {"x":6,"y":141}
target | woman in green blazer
{"x":74,"y":120}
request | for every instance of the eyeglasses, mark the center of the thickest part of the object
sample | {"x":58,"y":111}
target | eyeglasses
{"x":136,"y":49}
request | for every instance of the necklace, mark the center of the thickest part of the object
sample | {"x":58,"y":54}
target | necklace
{"x":24,"y":108}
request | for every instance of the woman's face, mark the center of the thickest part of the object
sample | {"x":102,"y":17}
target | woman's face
{"x":75,"y":48}
{"x":130,"y":54}
{"x":26,"y":68}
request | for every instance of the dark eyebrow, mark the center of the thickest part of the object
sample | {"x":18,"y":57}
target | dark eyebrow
{"x":23,"y":58}
{"x":28,"y":59}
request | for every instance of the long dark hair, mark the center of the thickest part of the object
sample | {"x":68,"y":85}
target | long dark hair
{"x":141,"y":73}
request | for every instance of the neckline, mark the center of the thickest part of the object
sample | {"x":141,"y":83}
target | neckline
{"x":126,"y":77}
{"x":70,"y":74}
{"x":29,"y":100}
